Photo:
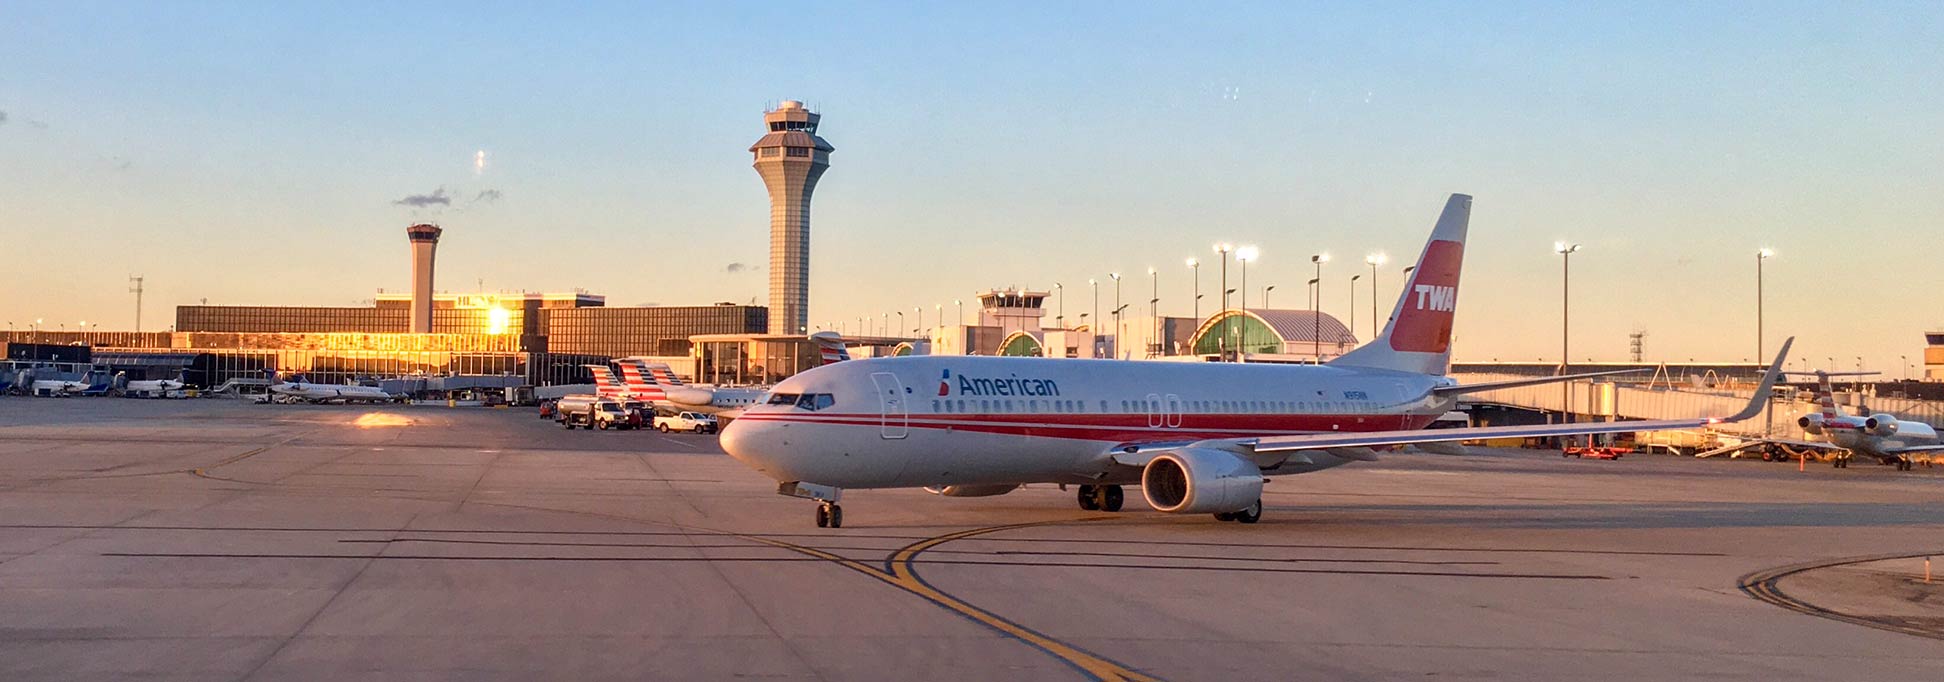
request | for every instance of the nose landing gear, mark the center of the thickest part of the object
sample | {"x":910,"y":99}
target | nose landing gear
{"x":830,"y":515}
{"x":1107,"y":498}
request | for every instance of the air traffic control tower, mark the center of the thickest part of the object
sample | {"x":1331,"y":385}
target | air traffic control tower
{"x":790,"y":158}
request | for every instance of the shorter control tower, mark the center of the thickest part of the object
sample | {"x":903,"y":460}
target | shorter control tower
{"x":425,"y":242}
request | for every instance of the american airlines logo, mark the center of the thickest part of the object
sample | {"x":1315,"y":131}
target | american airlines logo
{"x":1007,"y":386}
{"x":1433,"y":297}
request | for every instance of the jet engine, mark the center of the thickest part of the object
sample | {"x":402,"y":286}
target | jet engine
{"x":1881,"y":425}
{"x":690,"y":396}
{"x":971,"y":490}
{"x":1199,"y":480}
{"x":1811,"y":423}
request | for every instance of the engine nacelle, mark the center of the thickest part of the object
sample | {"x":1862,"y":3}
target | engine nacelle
{"x":1881,"y":425}
{"x":1201,"y":481}
{"x":1811,"y":423}
{"x":690,"y":396}
{"x":971,"y":490}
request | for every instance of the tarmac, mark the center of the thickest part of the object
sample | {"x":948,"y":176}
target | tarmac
{"x":218,"y":540}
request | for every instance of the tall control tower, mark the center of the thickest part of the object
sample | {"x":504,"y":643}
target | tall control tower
{"x":790,"y":158}
{"x":425,"y":240}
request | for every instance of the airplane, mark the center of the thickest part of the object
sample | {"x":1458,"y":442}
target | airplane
{"x":93,"y":383}
{"x":1196,"y":437}
{"x":606,"y":385}
{"x":301,"y":391}
{"x":1881,"y":436}
{"x":657,"y":383}
{"x":158,"y":388}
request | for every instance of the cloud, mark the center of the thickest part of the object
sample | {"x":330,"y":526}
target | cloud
{"x":436,"y":198}
{"x":736,"y":267}
{"x":488,"y":195}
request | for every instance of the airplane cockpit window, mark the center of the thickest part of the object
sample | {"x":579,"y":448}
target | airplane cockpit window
{"x":825,"y":401}
{"x":783,"y":398}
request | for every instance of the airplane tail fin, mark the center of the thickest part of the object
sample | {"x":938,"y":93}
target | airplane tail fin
{"x":1418,"y":336}
{"x":1825,"y":392}
{"x":635,"y":375}
{"x":830,"y":346}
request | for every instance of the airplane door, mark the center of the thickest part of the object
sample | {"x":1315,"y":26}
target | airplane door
{"x":893,"y":421}
{"x":1172,"y":418}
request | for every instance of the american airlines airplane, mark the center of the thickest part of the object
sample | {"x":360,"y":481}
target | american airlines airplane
{"x":1881,"y":436}
{"x":1197,"y":437}
{"x":657,"y":383}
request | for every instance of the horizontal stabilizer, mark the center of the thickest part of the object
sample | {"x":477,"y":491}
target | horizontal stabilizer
{"x":1516,"y":383}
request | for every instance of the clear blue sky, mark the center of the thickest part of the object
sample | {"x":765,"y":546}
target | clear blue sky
{"x":253,"y":152}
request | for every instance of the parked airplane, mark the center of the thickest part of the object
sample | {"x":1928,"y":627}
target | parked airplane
{"x":158,"y":388}
{"x":606,"y":385}
{"x":1881,"y":436}
{"x":93,"y":383}
{"x":1197,"y":437}
{"x":301,"y":391}
{"x":657,"y":383}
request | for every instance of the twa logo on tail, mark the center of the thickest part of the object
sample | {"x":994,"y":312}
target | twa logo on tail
{"x":1424,"y":320}
{"x":1431,"y":297}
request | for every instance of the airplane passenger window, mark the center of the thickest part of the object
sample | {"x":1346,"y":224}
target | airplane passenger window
{"x":1009,"y":406}
{"x":935,"y":406}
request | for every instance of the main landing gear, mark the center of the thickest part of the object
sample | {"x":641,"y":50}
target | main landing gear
{"x":830,"y":515}
{"x":1249,"y":515}
{"x":1106,"y":498}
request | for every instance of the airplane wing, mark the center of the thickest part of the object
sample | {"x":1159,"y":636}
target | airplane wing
{"x":1357,"y":445}
{"x":1516,"y":383}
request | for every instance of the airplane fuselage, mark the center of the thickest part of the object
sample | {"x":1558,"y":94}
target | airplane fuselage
{"x":1850,"y":434}
{"x":939,"y":421}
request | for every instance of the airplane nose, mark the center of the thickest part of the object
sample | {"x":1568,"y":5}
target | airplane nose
{"x":739,"y":440}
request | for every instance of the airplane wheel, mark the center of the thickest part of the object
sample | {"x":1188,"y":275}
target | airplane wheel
{"x":823,"y":516}
{"x":1111,"y":498}
{"x":836,"y":516}
{"x":1087,"y":499}
{"x":1252,"y":514}
{"x":1225,"y":516}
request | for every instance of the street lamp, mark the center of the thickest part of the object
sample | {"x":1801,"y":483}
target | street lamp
{"x":1565,"y":252}
{"x":1195,"y":265}
{"x":1761,"y":255}
{"x":1316,"y":312}
{"x":1244,"y":255}
{"x":1224,"y":248}
{"x":1061,"y":290}
{"x":961,"y":310}
{"x":1265,"y":295}
{"x":1093,"y":332}
{"x":1154,"y":310}
{"x":938,"y":311}
{"x":1374,"y":260}
{"x":1117,"y":313}
{"x":1353,"y":304}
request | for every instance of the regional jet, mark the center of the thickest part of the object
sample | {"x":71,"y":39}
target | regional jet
{"x":1880,"y":436}
{"x":157,"y":388}
{"x":301,"y":391}
{"x":1197,"y":437}
{"x":657,"y":383}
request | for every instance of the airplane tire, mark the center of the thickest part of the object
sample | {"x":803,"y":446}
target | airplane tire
{"x":1225,"y":516}
{"x":1087,"y":499}
{"x":836,"y":516}
{"x":1252,"y":514}
{"x":823,"y":516}
{"x":1111,"y":498}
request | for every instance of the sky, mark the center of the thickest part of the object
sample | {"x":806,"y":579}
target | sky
{"x":272,"y":153}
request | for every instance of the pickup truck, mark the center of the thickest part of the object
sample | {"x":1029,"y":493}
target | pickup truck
{"x":686,"y":421}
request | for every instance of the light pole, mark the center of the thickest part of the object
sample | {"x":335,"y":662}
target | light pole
{"x":1903,"y":368}
{"x":1353,"y":304}
{"x":1761,"y":254}
{"x":1224,"y":248}
{"x":1154,"y":310}
{"x":961,"y":310}
{"x":1061,"y":318}
{"x":1265,"y":295}
{"x":1316,"y":326}
{"x":1565,"y":252}
{"x":884,"y":322}
{"x":1093,"y":332}
{"x":1195,"y":265}
{"x":1117,"y":313}
{"x":1374,"y":260}
{"x":1244,"y":255}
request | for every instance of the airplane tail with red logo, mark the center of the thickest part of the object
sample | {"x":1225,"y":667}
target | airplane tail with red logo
{"x":830,"y":347}
{"x":637,"y":377}
{"x":1418,"y":336}
{"x":605,"y":385}
{"x":1825,"y":392}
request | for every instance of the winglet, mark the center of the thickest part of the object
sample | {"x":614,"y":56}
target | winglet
{"x":1761,"y":397}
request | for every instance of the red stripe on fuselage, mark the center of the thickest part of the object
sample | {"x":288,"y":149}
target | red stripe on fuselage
{"x":1117,"y":428}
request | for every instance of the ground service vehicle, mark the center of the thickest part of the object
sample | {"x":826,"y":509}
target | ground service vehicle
{"x":686,"y":421}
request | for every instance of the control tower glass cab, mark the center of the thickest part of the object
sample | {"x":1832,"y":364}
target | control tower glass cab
{"x":1011,"y":310}
{"x":791,"y":158}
